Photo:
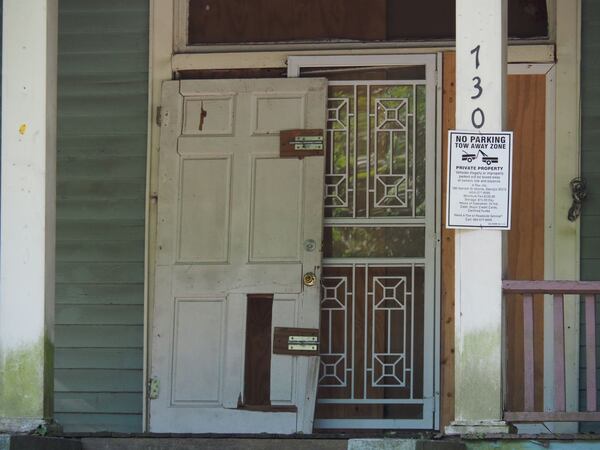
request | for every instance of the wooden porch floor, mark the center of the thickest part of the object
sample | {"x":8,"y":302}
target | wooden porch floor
{"x":376,"y":441}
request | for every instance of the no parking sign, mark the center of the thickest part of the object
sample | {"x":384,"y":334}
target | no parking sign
{"x":479,"y":180}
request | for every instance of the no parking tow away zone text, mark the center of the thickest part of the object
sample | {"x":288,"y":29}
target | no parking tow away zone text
{"x":479,"y":180}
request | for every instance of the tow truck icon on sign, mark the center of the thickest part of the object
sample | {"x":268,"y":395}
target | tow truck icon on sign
{"x":470,"y":157}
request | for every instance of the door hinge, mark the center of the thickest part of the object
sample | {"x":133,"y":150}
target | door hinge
{"x":159,"y":115}
{"x":153,"y":388}
{"x":162,"y":116}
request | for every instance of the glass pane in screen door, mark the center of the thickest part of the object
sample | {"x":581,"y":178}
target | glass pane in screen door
{"x":376,"y":155}
{"x":373,"y":323}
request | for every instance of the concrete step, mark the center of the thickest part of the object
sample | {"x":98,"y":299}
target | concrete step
{"x":231,"y":443}
{"x":22,"y":442}
{"x":191,"y":443}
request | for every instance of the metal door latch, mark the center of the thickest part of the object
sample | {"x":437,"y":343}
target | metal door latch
{"x":305,"y":343}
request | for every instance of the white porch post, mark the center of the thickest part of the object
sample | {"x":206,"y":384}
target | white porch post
{"x":27,"y":234}
{"x":480,"y":106}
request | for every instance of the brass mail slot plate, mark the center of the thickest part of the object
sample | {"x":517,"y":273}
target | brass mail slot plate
{"x":296,"y":341}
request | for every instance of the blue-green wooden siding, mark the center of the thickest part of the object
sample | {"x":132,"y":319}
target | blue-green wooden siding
{"x":590,"y":171}
{"x":102,"y":135}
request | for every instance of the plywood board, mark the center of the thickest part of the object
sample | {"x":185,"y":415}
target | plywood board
{"x":526,"y":113}
{"x":240,"y":21}
{"x":447,"y":263}
{"x":257,"y":372}
{"x":262,"y":21}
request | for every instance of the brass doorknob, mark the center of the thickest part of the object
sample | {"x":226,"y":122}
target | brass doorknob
{"x":309,"y":279}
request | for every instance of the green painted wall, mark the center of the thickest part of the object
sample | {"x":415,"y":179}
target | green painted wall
{"x":102,"y":133}
{"x":590,"y":168}
{"x":510,"y":444}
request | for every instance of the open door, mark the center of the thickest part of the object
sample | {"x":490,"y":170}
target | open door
{"x":238,"y":227}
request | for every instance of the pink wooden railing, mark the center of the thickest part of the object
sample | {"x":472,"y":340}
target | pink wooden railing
{"x":558,"y":289}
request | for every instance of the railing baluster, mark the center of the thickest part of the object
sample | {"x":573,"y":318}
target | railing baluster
{"x":528,"y":375}
{"x":590,"y":350}
{"x":528,"y":289}
{"x":559,"y":353}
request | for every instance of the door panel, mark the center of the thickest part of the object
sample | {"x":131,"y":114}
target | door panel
{"x":197,"y":329}
{"x":232,"y":220}
{"x":276,"y":210}
{"x":203,"y":209}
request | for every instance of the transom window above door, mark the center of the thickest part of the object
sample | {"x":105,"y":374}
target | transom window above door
{"x":231,"y":22}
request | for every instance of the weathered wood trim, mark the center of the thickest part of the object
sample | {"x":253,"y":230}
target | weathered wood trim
{"x":161,"y":49}
{"x":529,"y":384}
{"x":551,"y":287}
{"x":551,"y":8}
{"x":541,"y":53}
{"x":447,"y":252}
{"x":179,"y":19}
{"x":590,"y":352}
{"x":567,"y":161}
{"x":520,"y":417}
{"x":439,"y":177}
{"x":559,"y":352}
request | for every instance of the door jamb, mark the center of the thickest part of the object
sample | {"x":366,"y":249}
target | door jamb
{"x":438,"y":240}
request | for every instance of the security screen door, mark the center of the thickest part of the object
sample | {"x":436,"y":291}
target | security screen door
{"x":233,"y":220}
{"x":377,"y":296}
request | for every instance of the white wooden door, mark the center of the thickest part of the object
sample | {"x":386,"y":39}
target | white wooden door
{"x":233,"y":220}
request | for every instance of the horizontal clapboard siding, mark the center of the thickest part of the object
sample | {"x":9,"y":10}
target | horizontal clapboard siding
{"x":102,"y":133}
{"x":590,"y":171}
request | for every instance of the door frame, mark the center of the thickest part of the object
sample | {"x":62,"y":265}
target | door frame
{"x":165,"y":61}
{"x":551,"y":265}
{"x":432,"y":62}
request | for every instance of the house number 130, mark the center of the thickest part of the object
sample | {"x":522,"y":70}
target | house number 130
{"x":477,"y":115}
